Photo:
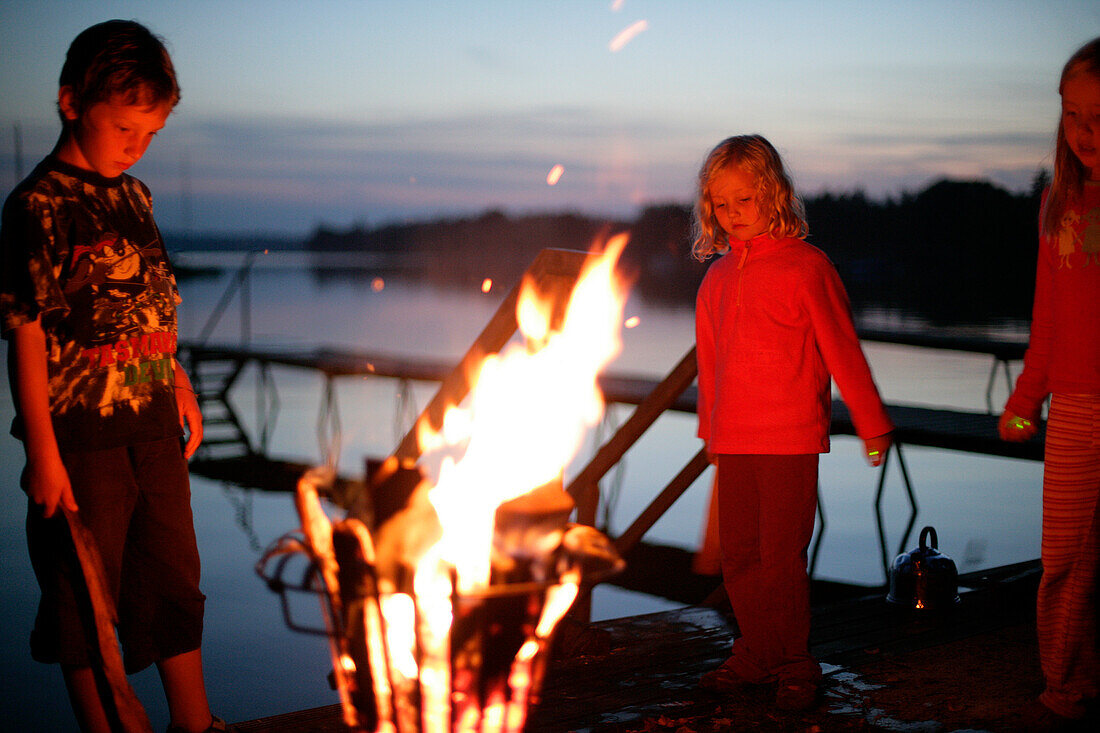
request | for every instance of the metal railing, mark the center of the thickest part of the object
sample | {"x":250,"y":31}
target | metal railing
{"x":555,"y":273}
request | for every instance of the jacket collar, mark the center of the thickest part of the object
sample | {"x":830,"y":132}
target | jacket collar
{"x":758,"y":244}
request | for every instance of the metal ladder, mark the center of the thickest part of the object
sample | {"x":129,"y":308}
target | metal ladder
{"x":224,"y":435}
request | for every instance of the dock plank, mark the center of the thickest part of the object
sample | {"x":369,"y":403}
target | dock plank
{"x":651,"y":665}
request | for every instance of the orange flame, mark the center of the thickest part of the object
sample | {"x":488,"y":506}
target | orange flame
{"x":527,"y":415}
{"x":486,"y":284}
{"x":555,"y":174}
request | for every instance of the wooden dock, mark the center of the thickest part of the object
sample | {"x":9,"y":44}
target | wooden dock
{"x":971,"y":432}
{"x":885,"y":669}
{"x":935,"y":427}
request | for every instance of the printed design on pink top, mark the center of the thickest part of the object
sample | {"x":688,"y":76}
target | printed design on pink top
{"x":1077,"y":241}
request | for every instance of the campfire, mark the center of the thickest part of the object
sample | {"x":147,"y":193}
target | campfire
{"x":442,"y":593}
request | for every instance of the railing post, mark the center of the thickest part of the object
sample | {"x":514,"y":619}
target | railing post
{"x":585,"y":486}
{"x":657,"y":508}
{"x":239,"y":281}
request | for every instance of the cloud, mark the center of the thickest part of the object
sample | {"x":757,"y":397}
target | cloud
{"x":381,"y":170}
{"x":888,"y":164}
{"x":292,"y":173}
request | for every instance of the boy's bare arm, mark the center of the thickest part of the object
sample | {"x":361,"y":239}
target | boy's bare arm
{"x":47,"y":481}
{"x":190,"y":416}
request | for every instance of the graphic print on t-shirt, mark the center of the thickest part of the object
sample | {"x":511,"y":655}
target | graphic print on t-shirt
{"x":124,"y":295}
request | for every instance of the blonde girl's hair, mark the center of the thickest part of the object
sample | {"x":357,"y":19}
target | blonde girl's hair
{"x":1070,"y":175}
{"x":774,"y":193}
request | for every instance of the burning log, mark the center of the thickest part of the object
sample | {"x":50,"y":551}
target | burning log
{"x":526,"y":532}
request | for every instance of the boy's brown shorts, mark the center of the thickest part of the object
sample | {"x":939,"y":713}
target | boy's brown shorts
{"x":136,"y":501}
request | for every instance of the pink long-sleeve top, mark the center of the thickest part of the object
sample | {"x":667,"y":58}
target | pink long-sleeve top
{"x":772,"y":325}
{"x":1063,"y":353}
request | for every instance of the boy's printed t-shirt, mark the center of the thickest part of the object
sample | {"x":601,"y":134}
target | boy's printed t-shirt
{"x":83,"y":252}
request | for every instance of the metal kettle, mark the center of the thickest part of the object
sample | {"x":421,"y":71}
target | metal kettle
{"x":924,"y":578}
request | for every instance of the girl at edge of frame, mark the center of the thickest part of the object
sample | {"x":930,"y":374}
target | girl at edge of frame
{"x":1063,"y":362}
{"x":773,"y":326}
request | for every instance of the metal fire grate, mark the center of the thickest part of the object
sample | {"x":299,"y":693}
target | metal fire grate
{"x":479,"y":669}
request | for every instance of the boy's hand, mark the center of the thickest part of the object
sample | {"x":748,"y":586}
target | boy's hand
{"x":187,"y":402}
{"x":47,"y":483}
{"x":1015,"y":429}
{"x":190,"y":419}
{"x":877,"y":447}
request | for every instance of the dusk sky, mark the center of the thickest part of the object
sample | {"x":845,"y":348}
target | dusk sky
{"x":366,"y":112}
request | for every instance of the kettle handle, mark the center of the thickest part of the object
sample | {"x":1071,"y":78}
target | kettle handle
{"x":924,"y":533}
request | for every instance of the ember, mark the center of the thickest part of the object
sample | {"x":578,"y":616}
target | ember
{"x":441,"y":605}
{"x":555,"y":174}
{"x":626,"y":35}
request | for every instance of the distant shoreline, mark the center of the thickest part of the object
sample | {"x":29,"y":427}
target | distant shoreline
{"x":946,"y":254}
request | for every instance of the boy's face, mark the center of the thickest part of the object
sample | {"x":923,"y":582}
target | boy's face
{"x":108,"y":137}
{"x":733,"y":196}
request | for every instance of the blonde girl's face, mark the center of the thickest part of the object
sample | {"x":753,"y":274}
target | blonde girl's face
{"x":734,"y":198}
{"x":1081,"y":119}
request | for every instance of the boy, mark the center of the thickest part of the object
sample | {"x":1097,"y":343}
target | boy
{"x":87,"y":301}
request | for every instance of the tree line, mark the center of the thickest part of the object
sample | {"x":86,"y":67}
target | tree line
{"x":955,"y":252}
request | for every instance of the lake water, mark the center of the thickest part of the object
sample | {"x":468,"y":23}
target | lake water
{"x":986,"y":510}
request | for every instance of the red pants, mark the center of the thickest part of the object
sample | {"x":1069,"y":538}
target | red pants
{"x":1067,"y":607}
{"x":766,"y":508}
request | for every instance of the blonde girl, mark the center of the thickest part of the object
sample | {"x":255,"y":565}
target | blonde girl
{"x":773,"y":328}
{"x":1063,"y":362}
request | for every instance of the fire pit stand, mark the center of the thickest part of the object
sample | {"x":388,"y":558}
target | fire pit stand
{"x":435,"y":658}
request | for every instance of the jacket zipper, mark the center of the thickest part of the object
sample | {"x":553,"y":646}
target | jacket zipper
{"x":741,"y":272}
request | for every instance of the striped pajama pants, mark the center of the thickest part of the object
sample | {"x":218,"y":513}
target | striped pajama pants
{"x":1067,"y":603}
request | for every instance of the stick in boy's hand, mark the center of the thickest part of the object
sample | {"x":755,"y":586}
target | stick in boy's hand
{"x":119,"y":696}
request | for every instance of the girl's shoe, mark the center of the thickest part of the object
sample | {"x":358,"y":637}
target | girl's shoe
{"x":725,"y":680}
{"x":796,"y":695}
{"x":1036,"y":717}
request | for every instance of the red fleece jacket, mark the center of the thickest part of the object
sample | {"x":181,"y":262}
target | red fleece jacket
{"x":772,"y":324}
{"x":1063,"y":354}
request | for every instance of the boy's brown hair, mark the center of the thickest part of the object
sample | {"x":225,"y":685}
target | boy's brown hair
{"x":119,"y":58}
